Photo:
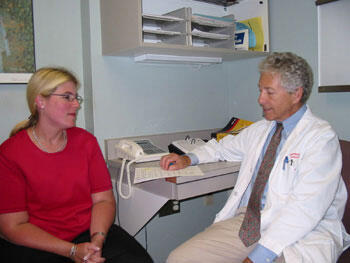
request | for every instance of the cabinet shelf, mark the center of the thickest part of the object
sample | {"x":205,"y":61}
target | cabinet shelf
{"x":129,"y":31}
{"x":162,"y":18}
{"x":221,"y":2}
{"x":209,"y":35}
{"x":180,"y":50}
{"x":161,"y":32}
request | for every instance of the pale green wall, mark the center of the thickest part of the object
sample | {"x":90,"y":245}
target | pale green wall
{"x":124,"y":99}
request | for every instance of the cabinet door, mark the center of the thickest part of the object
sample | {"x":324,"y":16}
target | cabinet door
{"x":121,"y":25}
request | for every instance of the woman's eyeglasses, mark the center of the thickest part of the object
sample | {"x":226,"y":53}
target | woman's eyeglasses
{"x":70,"y":97}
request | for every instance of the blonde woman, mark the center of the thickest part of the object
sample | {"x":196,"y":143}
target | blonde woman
{"x":57,"y":203}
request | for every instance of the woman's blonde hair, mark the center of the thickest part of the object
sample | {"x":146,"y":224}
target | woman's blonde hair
{"x":43,"y":82}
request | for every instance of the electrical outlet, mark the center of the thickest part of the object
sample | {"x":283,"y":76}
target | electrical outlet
{"x":169,"y":208}
{"x":209,"y":199}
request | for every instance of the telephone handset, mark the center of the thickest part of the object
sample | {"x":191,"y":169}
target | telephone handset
{"x":135,"y":151}
{"x":138,"y":150}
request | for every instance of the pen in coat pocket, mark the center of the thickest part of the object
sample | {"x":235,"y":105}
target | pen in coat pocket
{"x":285,"y":162}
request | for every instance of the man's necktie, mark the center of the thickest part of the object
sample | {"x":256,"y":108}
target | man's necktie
{"x":250,"y":228}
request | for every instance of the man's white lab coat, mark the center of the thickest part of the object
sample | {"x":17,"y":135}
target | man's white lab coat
{"x":306,"y":197}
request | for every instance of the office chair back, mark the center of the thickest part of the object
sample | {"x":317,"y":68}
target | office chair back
{"x":345,"y":148}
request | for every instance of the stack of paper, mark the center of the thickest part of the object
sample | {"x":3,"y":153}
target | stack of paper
{"x":143,"y":174}
{"x":161,"y":17}
{"x":211,"y":20}
{"x":203,"y":34}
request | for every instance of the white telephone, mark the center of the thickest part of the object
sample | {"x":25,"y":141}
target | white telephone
{"x":138,"y":150}
{"x":135,"y":151}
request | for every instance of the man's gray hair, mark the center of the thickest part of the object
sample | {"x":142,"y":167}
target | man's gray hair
{"x":294,"y":72}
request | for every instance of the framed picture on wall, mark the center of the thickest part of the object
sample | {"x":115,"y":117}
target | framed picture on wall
{"x":17,"y":58}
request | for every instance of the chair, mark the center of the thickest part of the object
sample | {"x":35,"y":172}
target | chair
{"x":345,"y":148}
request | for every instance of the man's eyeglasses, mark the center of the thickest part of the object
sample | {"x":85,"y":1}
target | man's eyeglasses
{"x":70,"y":97}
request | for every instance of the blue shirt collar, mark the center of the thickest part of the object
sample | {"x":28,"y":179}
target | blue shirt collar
{"x":290,"y":123}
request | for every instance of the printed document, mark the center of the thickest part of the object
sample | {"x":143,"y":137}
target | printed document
{"x":143,"y":174}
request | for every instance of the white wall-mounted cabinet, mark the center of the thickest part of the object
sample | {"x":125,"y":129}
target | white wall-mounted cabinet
{"x":136,"y":27}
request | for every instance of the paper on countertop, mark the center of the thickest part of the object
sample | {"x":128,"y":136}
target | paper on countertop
{"x":143,"y":174}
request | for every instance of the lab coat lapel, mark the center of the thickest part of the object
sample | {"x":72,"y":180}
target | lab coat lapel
{"x":294,"y":137}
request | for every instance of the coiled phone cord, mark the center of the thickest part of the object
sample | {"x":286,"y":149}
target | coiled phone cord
{"x":128,"y":195}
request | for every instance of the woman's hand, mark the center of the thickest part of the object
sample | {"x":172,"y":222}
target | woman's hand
{"x":102,"y":217}
{"x":98,"y":241}
{"x":88,"y":253}
{"x":174,"y":161}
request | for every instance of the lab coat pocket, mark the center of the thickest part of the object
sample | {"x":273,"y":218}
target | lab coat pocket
{"x":283,"y":182}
